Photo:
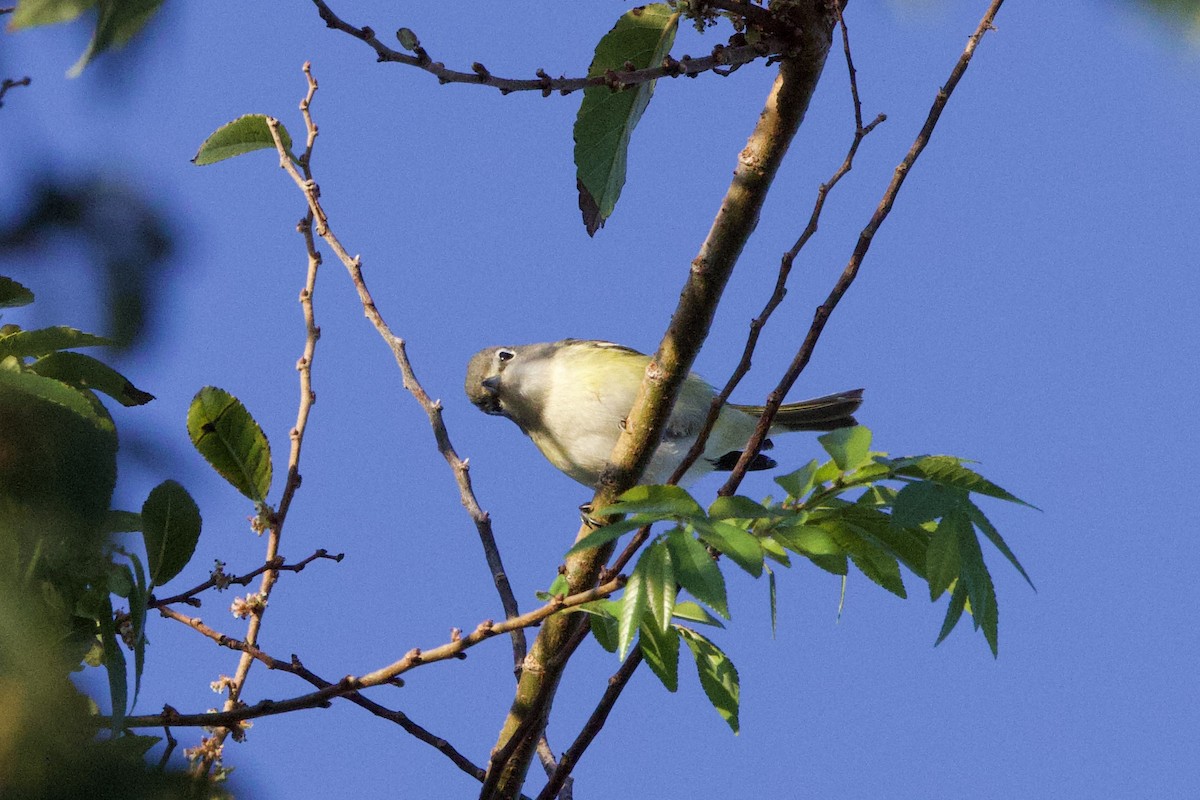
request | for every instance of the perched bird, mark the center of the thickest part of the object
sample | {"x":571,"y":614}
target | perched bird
{"x":572,"y":397}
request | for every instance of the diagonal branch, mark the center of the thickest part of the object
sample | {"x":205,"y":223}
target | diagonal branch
{"x":432,"y":408}
{"x":821,"y":316}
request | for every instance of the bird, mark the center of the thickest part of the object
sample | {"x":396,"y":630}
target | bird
{"x":571,"y":397}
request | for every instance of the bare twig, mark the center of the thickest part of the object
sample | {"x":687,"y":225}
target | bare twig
{"x":276,"y":519}
{"x":722,"y":58}
{"x":616,"y":685}
{"x":821,"y":316}
{"x":455,"y":648}
{"x":432,"y":408}
{"x":9,"y":83}
{"x":220,"y":580}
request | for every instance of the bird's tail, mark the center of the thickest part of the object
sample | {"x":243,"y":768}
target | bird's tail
{"x":819,"y":414}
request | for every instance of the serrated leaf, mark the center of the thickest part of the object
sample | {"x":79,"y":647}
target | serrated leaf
{"x":989,"y":530}
{"x":46,"y":340}
{"x":244,"y":135}
{"x":826,"y":472}
{"x":118,"y":21}
{"x":13,"y":294}
{"x":696,"y":572}
{"x":741,"y":547}
{"x":657,"y":502}
{"x":949,"y":471}
{"x":655,"y":564}
{"x":941,"y":559}
{"x":798,"y":483}
{"x":774,"y":551}
{"x":85,"y":372}
{"x":660,"y":650}
{"x":604,"y":629}
{"x":231,"y":441}
{"x":849,"y":448}
{"x":873,"y":561}
{"x":978,"y":582}
{"x":718,"y":676}
{"x":634,"y":604}
{"x":924,"y":501}
{"x":606,"y":119}
{"x":139,"y":598}
{"x":694,"y":612}
{"x":958,"y":601}
{"x":171,"y":528}
{"x":807,"y":540}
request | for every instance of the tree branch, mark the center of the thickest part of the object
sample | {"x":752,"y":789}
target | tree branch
{"x":821,"y":316}
{"x":671,"y":363}
{"x":432,"y":408}
{"x":722,"y":57}
{"x":220,"y":580}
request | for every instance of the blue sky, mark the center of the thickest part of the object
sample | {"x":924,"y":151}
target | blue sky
{"x":1030,"y":304}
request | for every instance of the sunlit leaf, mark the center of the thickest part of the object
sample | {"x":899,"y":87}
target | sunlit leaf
{"x":661,"y":502}
{"x":848,"y":447}
{"x":696,"y":572}
{"x":231,"y":441}
{"x":949,"y":471}
{"x":941,"y":559}
{"x":606,"y":119}
{"x":660,"y":649}
{"x":659,"y":580}
{"x":244,"y":135}
{"x":798,"y":483}
{"x":741,"y":546}
{"x":46,"y":340}
{"x":85,"y":372}
{"x":718,"y":676}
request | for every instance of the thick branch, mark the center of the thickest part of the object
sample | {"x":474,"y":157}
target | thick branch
{"x":670,"y":365}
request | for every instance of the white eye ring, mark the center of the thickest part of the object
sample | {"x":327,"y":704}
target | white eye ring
{"x":505,"y":355}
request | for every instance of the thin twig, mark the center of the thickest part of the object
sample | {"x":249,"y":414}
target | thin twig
{"x":721,"y":58}
{"x":291,"y":484}
{"x":220,"y":580}
{"x":9,"y":83}
{"x":432,"y":408}
{"x":616,"y":685}
{"x":821,"y":315}
{"x":455,"y":648}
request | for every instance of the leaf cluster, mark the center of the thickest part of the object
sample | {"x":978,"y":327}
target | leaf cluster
{"x":859,"y":508}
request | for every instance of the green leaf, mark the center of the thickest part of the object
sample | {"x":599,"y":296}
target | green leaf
{"x":171,"y":529}
{"x":114,"y":665}
{"x":139,"y":599}
{"x":46,"y":340}
{"x":634,"y":604}
{"x":718,"y":676}
{"x":773,"y":599}
{"x":941,"y":559}
{"x":605,"y":631}
{"x":798,"y":483}
{"x":741,"y":546}
{"x":924,"y":501}
{"x":774,"y":551}
{"x":949,"y":471}
{"x":696,"y":571}
{"x":738,"y":507}
{"x":560,"y":587}
{"x":660,"y":649}
{"x":243,"y":135}
{"x":873,"y":561}
{"x":989,"y":530}
{"x":657,"y":502}
{"x":120,"y":581}
{"x":980,"y":591}
{"x":604,"y":535}
{"x":13,"y":294}
{"x":659,"y":580}
{"x":849,"y":448}
{"x":958,"y":601}
{"x":231,"y":441}
{"x":606,"y":119}
{"x":85,"y":372}
{"x":694,"y":612}
{"x":807,"y":540}
{"x":117,"y":23}
{"x":35,"y":13}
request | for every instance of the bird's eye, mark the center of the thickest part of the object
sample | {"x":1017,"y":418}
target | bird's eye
{"x":505,"y":355}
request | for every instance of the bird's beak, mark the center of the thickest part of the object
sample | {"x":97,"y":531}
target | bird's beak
{"x":488,"y":400}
